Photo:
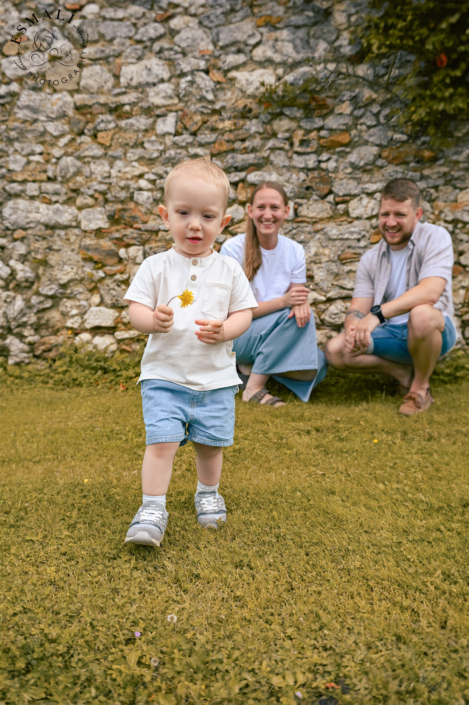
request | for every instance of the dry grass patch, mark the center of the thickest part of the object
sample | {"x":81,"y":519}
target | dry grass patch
{"x":341,"y":574}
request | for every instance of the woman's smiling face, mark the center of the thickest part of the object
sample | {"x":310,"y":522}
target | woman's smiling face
{"x":268,"y":211}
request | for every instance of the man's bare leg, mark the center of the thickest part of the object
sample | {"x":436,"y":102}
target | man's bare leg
{"x":426,"y":324}
{"x":300,"y":375}
{"x":338,"y":357}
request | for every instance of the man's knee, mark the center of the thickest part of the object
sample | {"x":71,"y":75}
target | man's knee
{"x":335,"y":351}
{"x":424,"y":319}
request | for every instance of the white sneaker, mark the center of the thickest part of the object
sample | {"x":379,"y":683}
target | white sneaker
{"x":211,"y":509}
{"x":148,"y":525}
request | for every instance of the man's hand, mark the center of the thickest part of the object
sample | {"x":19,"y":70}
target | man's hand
{"x":302,"y":314}
{"x":210,"y":332}
{"x":162,"y":319}
{"x":361,"y":332}
{"x":349,"y":342}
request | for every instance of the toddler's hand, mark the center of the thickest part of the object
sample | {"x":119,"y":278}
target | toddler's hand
{"x":162,"y":319}
{"x":210,"y":332}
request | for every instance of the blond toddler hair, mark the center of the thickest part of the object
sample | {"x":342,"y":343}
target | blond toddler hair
{"x":202,"y":169}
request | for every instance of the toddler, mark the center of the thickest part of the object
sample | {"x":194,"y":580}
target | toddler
{"x":188,"y":378}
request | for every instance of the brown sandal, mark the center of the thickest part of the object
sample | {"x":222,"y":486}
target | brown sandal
{"x":259,"y":396}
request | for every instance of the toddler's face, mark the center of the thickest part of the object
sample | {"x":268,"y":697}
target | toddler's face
{"x":194,"y":214}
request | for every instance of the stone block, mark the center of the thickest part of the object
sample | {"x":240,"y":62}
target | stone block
{"x":316,"y":210}
{"x":236,"y":212}
{"x":305,"y":161}
{"x":193,"y":39}
{"x":105,"y":342}
{"x":253,"y":82}
{"x":318,"y":183}
{"x":198,"y":84}
{"x":143,"y":73}
{"x":335,"y":314}
{"x":18,"y":213}
{"x":99,"y":251}
{"x":19,"y":352}
{"x":111,"y":29}
{"x":166,"y":125}
{"x":347,"y":187}
{"x":379,"y":135}
{"x":153,"y":30}
{"x":4,"y":271}
{"x":362,"y":156}
{"x":47,"y":344}
{"x":338,"y":121}
{"x":100,"y":317}
{"x":93,"y":219}
{"x":22,"y":272}
{"x":243,"y":32}
{"x":257,"y":177}
{"x":341,"y":139}
{"x":95,"y":79}
{"x":162,"y":95}
{"x":230,"y":61}
{"x":37,"y":105}
{"x":16,"y":162}
{"x":363,"y":207}
{"x":347,"y":231}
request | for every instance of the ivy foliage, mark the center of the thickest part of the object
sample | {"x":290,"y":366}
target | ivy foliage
{"x":436,"y":34}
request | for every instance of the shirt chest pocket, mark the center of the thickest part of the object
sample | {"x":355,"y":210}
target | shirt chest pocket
{"x":216,"y":300}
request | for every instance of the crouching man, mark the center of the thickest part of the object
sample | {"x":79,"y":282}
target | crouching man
{"x":400,"y":319}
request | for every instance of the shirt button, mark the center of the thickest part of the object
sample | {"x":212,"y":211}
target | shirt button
{"x":194,"y":261}
{"x":193,"y":277}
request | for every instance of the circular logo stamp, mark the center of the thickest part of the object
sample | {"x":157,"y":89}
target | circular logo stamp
{"x":50,"y":47}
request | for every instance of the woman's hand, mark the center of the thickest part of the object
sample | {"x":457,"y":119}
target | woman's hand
{"x":302,"y":314}
{"x":296,"y":296}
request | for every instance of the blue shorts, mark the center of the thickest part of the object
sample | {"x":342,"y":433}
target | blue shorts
{"x":390,"y":341}
{"x":174,"y":413}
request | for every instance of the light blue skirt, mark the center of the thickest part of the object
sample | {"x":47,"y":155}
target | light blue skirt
{"x":274,"y":344}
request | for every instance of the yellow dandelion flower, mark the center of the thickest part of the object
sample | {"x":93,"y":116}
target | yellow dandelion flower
{"x":186,"y":298}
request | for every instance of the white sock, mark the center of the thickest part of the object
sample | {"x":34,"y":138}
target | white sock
{"x":207,"y":488}
{"x":154,"y":498}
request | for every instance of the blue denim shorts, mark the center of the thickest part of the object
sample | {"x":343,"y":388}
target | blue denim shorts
{"x":390,"y":341}
{"x":174,"y":413}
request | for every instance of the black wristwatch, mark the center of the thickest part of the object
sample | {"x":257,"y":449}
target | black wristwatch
{"x":376,"y":311}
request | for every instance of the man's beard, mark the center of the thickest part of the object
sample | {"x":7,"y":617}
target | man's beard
{"x":404,"y":236}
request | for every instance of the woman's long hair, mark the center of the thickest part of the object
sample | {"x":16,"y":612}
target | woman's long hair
{"x":252,"y":249}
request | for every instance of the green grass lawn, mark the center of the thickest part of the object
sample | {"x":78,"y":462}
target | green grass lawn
{"x":341,"y":576}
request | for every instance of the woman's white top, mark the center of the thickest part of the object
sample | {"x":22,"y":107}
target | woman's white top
{"x":220,"y":287}
{"x":282,"y":266}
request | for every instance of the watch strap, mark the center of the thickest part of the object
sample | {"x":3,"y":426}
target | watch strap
{"x":376,"y":311}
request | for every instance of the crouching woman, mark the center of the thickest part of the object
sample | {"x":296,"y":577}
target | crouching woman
{"x":281,"y":341}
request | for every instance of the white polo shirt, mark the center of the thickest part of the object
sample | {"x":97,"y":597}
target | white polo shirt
{"x":220,"y":287}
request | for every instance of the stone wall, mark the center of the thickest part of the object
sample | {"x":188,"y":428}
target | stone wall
{"x":83,"y":161}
